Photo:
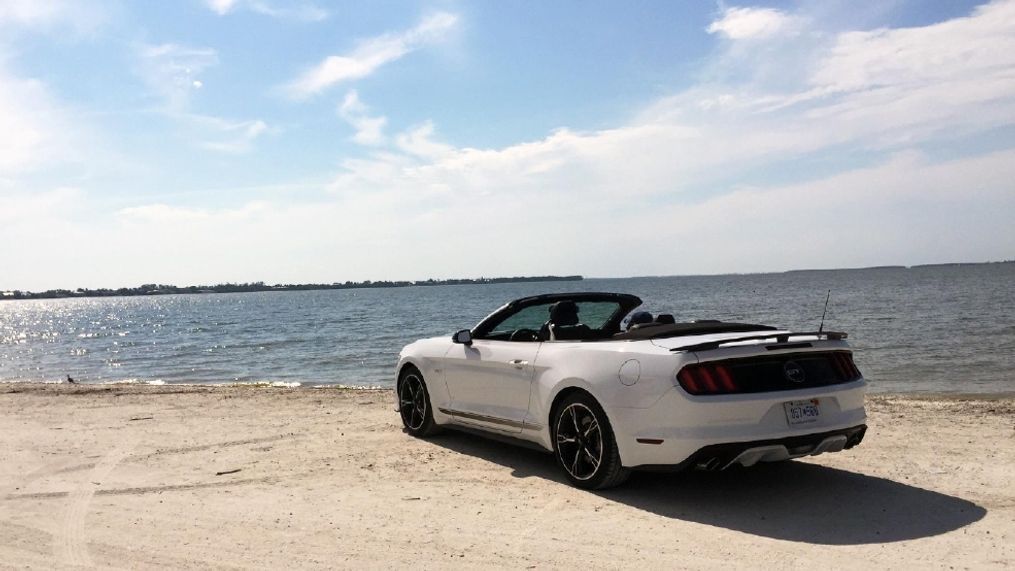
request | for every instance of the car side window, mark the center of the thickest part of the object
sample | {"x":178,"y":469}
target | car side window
{"x":527,"y":323}
{"x":595,"y":314}
{"x":532,"y":317}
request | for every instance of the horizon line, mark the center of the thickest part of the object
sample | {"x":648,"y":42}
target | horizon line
{"x":564,"y":277}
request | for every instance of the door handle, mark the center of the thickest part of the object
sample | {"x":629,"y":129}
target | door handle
{"x":518,"y":363}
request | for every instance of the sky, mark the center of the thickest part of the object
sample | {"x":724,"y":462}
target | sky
{"x":211,"y":141}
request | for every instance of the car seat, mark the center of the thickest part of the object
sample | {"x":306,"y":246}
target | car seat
{"x":564,"y":324}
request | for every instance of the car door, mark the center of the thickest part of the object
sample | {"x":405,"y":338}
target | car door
{"x":489,"y":382}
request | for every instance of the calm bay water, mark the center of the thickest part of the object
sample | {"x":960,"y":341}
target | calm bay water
{"x":934,"y":329}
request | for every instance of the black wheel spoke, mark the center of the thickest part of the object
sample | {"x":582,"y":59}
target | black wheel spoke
{"x":579,"y":441}
{"x":412,"y":401}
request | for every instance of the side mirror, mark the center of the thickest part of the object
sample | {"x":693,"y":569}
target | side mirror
{"x":464,"y":337}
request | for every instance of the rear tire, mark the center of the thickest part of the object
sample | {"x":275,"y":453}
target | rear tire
{"x":584,"y":445}
{"x":414,"y":404}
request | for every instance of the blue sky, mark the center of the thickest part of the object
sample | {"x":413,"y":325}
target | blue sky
{"x":211,"y":141}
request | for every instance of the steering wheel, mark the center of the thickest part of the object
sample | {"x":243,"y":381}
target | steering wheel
{"x":524,"y":335}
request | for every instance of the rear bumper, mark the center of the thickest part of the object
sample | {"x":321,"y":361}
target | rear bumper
{"x":722,"y":456}
{"x":678,"y":426}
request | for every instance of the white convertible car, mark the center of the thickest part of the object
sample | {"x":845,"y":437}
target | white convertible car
{"x":561,"y":372}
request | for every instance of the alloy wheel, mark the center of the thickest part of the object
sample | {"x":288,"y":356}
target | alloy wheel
{"x":412,"y":402}
{"x":579,"y":441}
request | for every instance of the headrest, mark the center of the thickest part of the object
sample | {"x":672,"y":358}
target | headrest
{"x":665,"y":318}
{"x":639,"y":317}
{"x":564,"y":313}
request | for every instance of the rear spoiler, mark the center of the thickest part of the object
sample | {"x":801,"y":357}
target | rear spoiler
{"x":779,"y":338}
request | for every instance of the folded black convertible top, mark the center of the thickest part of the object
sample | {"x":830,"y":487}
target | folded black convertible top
{"x":661,"y":331}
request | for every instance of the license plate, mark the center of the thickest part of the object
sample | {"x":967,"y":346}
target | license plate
{"x":802,"y":411}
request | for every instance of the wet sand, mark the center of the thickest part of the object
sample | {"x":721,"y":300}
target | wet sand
{"x":231,"y":477}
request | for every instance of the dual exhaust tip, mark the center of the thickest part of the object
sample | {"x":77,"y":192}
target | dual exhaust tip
{"x":776,"y":453}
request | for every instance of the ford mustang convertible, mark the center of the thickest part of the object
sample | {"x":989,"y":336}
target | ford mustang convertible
{"x":608,"y":389}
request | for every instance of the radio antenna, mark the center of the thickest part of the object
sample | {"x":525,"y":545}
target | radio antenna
{"x":822,"y":327}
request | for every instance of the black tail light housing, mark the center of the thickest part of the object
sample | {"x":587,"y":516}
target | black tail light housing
{"x":768,"y":373}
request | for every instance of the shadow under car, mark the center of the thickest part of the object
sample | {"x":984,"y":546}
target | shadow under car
{"x":793,"y":500}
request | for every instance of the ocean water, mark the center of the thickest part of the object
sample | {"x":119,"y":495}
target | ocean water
{"x":927,"y":329}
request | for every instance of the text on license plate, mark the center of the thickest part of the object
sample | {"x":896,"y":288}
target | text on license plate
{"x":802,"y":411}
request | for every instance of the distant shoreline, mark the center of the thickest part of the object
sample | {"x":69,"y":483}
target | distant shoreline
{"x":807,"y":270}
{"x":913,"y":267}
{"x":162,"y":289}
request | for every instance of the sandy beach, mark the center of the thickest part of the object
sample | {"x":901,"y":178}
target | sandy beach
{"x":237,"y":477}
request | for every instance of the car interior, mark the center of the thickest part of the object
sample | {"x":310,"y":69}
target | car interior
{"x":564,"y":324}
{"x":593,"y":317}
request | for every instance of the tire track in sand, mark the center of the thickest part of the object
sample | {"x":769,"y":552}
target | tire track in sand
{"x":186,"y":450}
{"x":20,"y":482}
{"x":70,"y":542}
{"x":7,"y":493}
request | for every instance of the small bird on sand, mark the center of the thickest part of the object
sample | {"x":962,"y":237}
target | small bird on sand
{"x":70,"y":380}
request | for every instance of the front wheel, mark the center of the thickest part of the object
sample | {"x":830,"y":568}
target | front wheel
{"x":584,"y":444}
{"x":414,"y":404}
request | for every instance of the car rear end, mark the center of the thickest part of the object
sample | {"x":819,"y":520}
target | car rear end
{"x":738,"y":403}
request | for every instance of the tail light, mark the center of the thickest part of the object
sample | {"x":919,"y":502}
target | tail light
{"x":707,"y":379}
{"x":768,"y":373}
{"x":844,"y":363}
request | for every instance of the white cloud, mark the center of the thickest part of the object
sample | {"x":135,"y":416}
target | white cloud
{"x":978,"y":48}
{"x":369,"y":130}
{"x":22,"y":134}
{"x":369,"y":55}
{"x":714,"y":136}
{"x":904,"y":209}
{"x":77,"y":16}
{"x":161,"y":214}
{"x":234,"y":137}
{"x":43,"y":138}
{"x":720,"y":177}
{"x":222,"y":7}
{"x":303,"y":13}
{"x":753,"y":23}
{"x":32,"y":206}
{"x":35,"y":129}
{"x":287,"y":10}
{"x":29,"y":12}
{"x":172,"y":71}
{"x":419,"y":142}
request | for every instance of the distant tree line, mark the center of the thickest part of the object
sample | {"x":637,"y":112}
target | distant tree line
{"x":165,"y":289}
